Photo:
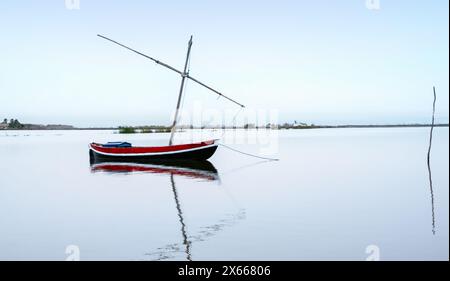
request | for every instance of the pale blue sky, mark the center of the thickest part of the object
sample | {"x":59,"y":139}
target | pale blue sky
{"x":324,"y":62}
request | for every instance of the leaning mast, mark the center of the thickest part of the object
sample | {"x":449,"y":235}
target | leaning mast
{"x":183,"y":78}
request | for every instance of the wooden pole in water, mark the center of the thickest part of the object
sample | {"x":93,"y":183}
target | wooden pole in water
{"x":430,"y":179}
{"x":183,"y":78}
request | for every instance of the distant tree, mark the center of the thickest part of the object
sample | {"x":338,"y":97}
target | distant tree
{"x":249,"y":126}
{"x":5,"y":121}
{"x":286,"y":125}
{"x":127,"y":130}
{"x":15,"y":124}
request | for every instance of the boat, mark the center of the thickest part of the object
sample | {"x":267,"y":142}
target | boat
{"x":124,"y":151}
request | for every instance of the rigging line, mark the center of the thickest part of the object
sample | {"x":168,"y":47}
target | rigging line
{"x":233,"y":122}
{"x":249,"y":154}
{"x":235,"y":116}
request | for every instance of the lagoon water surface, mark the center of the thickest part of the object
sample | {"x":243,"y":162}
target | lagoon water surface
{"x":335,"y":194}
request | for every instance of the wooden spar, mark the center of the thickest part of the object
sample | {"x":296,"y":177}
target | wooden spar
{"x":144,"y":55}
{"x":183,"y":78}
{"x":171,"y":68}
{"x":217,"y":92}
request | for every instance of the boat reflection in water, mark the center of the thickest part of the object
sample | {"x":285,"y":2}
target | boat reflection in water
{"x":200,"y":170}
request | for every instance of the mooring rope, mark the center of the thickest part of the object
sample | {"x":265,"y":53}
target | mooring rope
{"x":249,"y":154}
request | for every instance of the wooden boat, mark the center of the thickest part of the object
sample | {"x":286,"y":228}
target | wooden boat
{"x":125,"y":151}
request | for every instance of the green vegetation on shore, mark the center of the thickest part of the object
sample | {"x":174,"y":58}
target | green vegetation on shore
{"x":143,"y":130}
{"x":127,"y":130}
{"x":14,"y":124}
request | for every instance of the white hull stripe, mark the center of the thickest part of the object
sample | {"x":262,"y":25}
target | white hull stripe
{"x":153,"y":153}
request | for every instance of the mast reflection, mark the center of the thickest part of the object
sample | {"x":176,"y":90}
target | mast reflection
{"x":186,"y":242}
{"x":202,"y":170}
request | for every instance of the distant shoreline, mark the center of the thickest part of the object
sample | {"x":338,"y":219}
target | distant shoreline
{"x":375,"y":126}
{"x":281,"y":127}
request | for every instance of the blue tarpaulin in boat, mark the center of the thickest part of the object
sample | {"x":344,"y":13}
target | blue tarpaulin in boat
{"x":117,"y":144}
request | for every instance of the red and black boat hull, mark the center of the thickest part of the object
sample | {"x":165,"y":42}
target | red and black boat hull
{"x":195,"y":151}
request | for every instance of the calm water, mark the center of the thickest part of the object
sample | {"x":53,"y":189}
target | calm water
{"x":333,"y":193}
